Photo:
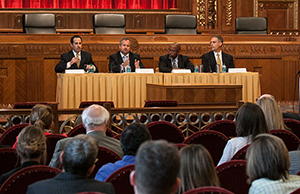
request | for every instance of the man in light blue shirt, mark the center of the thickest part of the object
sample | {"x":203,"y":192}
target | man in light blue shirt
{"x":131,"y":138}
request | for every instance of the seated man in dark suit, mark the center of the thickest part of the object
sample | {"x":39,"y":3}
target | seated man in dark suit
{"x":76,"y":58}
{"x":78,"y":159}
{"x":174,"y":60}
{"x":119,"y":61}
{"x":156,"y":168}
{"x":95,"y":119}
{"x":216,"y":56}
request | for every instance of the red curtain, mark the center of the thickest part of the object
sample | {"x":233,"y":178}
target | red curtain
{"x":89,"y":4}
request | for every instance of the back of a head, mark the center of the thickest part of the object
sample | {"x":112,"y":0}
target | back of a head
{"x":132,"y":137}
{"x":272,"y":111}
{"x":156,"y":167}
{"x":250,"y":121}
{"x":196,"y":168}
{"x":93,"y":116}
{"x":41,"y":115}
{"x":267,"y":157}
{"x":80,"y":154}
{"x":31,"y":144}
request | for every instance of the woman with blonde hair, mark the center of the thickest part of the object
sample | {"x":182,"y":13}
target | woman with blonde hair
{"x":31,"y":148}
{"x":272,"y":112}
{"x":196,"y":168}
{"x":268,"y":163}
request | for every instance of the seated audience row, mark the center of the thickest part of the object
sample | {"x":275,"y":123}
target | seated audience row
{"x":126,"y":61}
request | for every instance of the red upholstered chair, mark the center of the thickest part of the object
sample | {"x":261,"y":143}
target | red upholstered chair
{"x":296,"y":191}
{"x":85,"y":104}
{"x":27,"y":105}
{"x":52,"y":139}
{"x":227,"y":127}
{"x":120,"y":180}
{"x":241,"y":154}
{"x":161,"y":103}
{"x":291,"y":141}
{"x":117,"y":136}
{"x":79,"y":129}
{"x":9,"y":136}
{"x":165,"y":130}
{"x":213,"y":141}
{"x":180,"y":145}
{"x":209,"y":190}
{"x":8,"y":160}
{"x":232,"y":176}
{"x":105,"y":156}
{"x":294,"y":125}
{"x":19,"y":181}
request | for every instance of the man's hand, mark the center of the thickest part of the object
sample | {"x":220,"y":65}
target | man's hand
{"x":126,"y":62}
{"x":137,"y":64}
{"x":74,"y":60}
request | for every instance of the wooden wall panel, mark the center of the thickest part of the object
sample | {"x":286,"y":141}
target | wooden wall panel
{"x":49,"y":79}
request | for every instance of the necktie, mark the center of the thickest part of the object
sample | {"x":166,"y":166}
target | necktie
{"x":78,"y":62}
{"x":219,"y":63}
{"x":174,"y":63}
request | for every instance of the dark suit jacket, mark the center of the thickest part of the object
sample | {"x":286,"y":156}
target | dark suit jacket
{"x":115,"y":60}
{"x":66,"y":183}
{"x":86,"y":58}
{"x":209,"y":61}
{"x":165,"y":64}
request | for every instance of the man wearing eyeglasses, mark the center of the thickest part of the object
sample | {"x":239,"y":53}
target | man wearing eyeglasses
{"x":174,"y":60}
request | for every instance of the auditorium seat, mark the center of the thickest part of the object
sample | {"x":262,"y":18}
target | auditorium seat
{"x":291,"y":140}
{"x":208,"y":190}
{"x":39,"y":23}
{"x":8,"y":138}
{"x":106,"y":23}
{"x":85,"y":104}
{"x":241,"y":154}
{"x":181,"y":24}
{"x":227,"y":127}
{"x":251,"y":25}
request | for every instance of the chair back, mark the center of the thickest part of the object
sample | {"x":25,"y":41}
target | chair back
{"x":85,"y":104}
{"x":213,"y":141}
{"x":79,"y":129}
{"x":181,"y":24}
{"x":8,"y":160}
{"x":106,"y":23}
{"x":165,"y":130}
{"x":105,"y":156}
{"x":241,"y":154}
{"x":39,"y":23}
{"x":291,"y":141}
{"x":227,"y":127}
{"x":18,"y":182}
{"x":294,"y":125}
{"x":161,"y":103}
{"x":180,"y":145}
{"x":251,"y":25}
{"x":120,"y":180}
{"x":209,"y":190}
{"x":297,"y":191}
{"x":8,"y":138}
{"x":118,"y":137}
{"x":232,"y":176}
{"x":52,"y":139}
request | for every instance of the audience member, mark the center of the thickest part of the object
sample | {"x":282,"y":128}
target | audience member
{"x":272,"y":112}
{"x":131,"y":138}
{"x":197,"y":168}
{"x":216,"y":56}
{"x":174,"y":60}
{"x":78,"y":160}
{"x":76,"y":58}
{"x":95,"y":119}
{"x":41,"y":115}
{"x":250,"y":121}
{"x":31,"y":148}
{"x":156,"y":168}
{"x":119,"y":61}
{"x":267,"y":166}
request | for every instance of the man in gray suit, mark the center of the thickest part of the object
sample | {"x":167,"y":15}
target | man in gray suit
{"x":95,"y":119}
{"x":78,"y":159}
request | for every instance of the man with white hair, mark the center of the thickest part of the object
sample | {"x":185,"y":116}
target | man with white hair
{"x":95,"y":119}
